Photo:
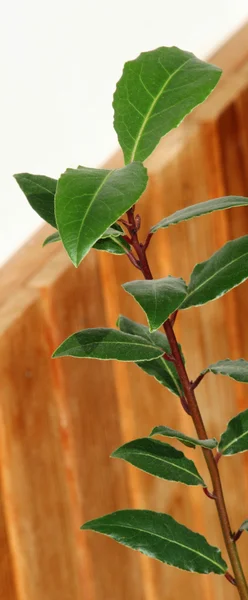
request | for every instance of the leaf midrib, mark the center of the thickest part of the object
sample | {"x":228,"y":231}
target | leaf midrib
{"x":89,"y":207}
{"x":38,"y":185}
{"x":170,"y":373}
{"x":171,"y":541}
{"x":154,"y":102}
{"x":234,"y":441}
{"x":163,"y":460}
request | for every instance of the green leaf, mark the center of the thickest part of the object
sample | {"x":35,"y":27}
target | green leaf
{"x":236,"y":369}
{"x":54,"y":237}
{"x":107,"y":344}
{"x":88,"y":201}
{"x":185,"y":439}
{"x":244,"y":526}
{"x":114,"y":245}
{"x":159,"y":459}
{"x":164,"y":371}
{"x":226,"y":269}
{"x":39,"y":191}
{"x":158,"y":297}
{"x":114,"y":231}
{"x":235,"y":438}
{"x":159,"y":536}
{"x":198,"y":210}
{"x":156,"y":91}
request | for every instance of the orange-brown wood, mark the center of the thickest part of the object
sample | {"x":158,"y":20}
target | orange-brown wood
{"x":60,"y":419}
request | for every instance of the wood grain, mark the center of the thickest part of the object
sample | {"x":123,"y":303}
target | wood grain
{"x":61,"y":419}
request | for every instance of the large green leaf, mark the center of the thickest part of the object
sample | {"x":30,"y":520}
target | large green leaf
{"x":159,"y":459}
{"x":39,"y":191}
{"x":226,"y":269}
{"x":156,"y":91}
{"x":160,"y":536}
{"x":185,"y":439}
{"x":236,"y":369}
{"x":164,"y":371}
{"x":198,"y":210}
{"x":158,"y":297}
{"x":88,"y":201}
{"x":235,"y":438}
{"x":108,"y":344}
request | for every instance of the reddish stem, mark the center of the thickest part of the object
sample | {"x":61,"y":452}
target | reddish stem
{"x":198,"y":380}
{"x":173,"y":318}
{"x":237,"y":535}
{"x":209,"y":494}
{"x":185,"y":405}
{"x":230,"y":578}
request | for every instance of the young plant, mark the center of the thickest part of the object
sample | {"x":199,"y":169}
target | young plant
{"x":86,"y":207}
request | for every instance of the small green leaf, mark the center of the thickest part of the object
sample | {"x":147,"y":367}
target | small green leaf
{"x":236,"y":369}
{"x":235,"y":438}
{"x":88,"y":201}
{"x":185,"y":439}
{"x":39,"y":191}
{"x":226,"y":269}
{"x":158,"y":297}
{"x":156,"y":91}
{"x":200,"y":209}
{"x":159,"y":536}
{"x":114,"y":231}
{"x":54,"y":237}
{"x":107,"y":344}
{"x":244,"y":526}
{"x":164,"y":371}
{"x":114,"y":245}
{"x":159,"y":459}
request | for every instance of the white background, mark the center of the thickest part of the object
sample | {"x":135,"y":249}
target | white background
{"x":61,"y":60}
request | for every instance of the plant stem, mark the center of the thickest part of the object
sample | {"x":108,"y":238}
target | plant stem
{"x":190,"y":398}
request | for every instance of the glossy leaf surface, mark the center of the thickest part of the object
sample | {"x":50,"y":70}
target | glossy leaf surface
{"x":164,"y":371}
{"x":156,"y":91}
{"x":236,"y":369}
{"x":185,"y":439}
{"x":226,"y":269}
{"x":107,"y":344}
{"x":88,"y":201}
{"x":158,"y":297}
{"x":160,"y":460}
{"x":235,"y":438}
{"x":200,"y":209}
{"x":159,"y":536}
{"x":39,"y":191}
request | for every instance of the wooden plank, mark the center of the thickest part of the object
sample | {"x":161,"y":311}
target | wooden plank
{"x":33,"y":485}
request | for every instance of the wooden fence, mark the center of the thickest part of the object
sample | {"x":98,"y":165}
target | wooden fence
{"x":60,"y":419}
